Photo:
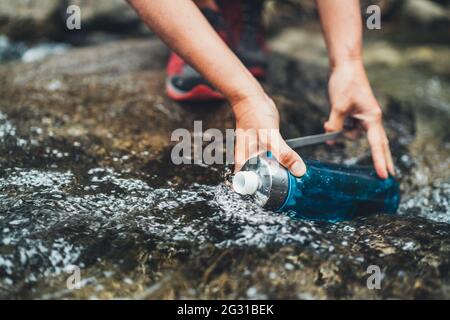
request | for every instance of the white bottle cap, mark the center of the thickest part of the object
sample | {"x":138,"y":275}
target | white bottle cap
{"x":245,"y":182}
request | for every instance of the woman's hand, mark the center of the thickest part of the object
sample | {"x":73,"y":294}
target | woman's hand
{"x":256,"y":115}
{"x":257,"y":130}
{"x":351,"y":96}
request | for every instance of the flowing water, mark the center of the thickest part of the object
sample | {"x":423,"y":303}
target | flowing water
{"x":158,"y":230}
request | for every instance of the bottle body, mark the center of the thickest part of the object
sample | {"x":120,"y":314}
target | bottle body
{"x":326,"y":192}
{"x":333,"y":192}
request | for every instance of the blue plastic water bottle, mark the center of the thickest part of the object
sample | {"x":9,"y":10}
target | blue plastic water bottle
{"x":326,"y":192}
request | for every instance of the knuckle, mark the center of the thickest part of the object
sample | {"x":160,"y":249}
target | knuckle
{"x":339,"y":109}
{"x":377,"y":114}
{"x":284,"y":156}
{"x":328,"y":125}
{"x":286,"y":159}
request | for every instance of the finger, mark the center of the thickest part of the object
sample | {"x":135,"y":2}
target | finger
{"x":335,"y":122}
{"x":246,"y":147}
{"x":387,"y":152}
{"x":388,"y":157}
{"x":287,"y":157}
{"x":377,"y":146}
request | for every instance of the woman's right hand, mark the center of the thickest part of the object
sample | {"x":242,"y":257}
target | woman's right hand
{"x":257,"y":120}
{"x":257,"y":130}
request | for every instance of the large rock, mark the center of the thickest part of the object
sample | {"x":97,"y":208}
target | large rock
{"x":31,"y":20}
{"x":86,"y":180}
{"x":25,"y":19}
{"x":129,"y":76}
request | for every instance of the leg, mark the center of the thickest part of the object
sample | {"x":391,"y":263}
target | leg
{"x":246,"y":34}
{"x":184,"y":83}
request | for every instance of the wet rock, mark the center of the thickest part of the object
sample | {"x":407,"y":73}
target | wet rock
{"x":325,"y":267}
{"x":63,"y":89}
{"x":86,"y":180}
{"x":33,"y":20}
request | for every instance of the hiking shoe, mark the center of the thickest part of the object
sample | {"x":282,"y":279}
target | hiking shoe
{"x":184,"y":83}
{"x":246,"y":33}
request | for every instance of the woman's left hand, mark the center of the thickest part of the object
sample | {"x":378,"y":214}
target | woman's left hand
{"x":351,"y":96}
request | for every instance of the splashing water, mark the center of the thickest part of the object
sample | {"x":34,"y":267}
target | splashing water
{"x":62,"y":213}
{"x":431,"y":202}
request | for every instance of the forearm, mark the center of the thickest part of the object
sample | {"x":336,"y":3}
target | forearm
{"x":180,"y":24}
{"x":342,"y":26}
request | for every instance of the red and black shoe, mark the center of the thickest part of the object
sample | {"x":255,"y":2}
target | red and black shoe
{"x":184,"y":83}
{"x":246,"y":33}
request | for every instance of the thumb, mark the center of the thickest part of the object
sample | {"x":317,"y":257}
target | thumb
{"x":335,"y":121}
{"x":288,"y":158}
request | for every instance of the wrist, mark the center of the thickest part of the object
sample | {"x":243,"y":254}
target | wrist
{"x":342,"y":61}
{"x":252,"y":104}
{"x":245,"y":93}
{"x":246,"y":97}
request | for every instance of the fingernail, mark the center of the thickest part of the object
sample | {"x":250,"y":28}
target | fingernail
{"x":298,"y":169}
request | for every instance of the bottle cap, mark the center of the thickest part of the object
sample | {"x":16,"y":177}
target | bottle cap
{"x":265,"y":180}
{"x":246,"y":182}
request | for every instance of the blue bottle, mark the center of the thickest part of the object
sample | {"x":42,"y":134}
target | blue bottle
{"x":326,"y":192}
